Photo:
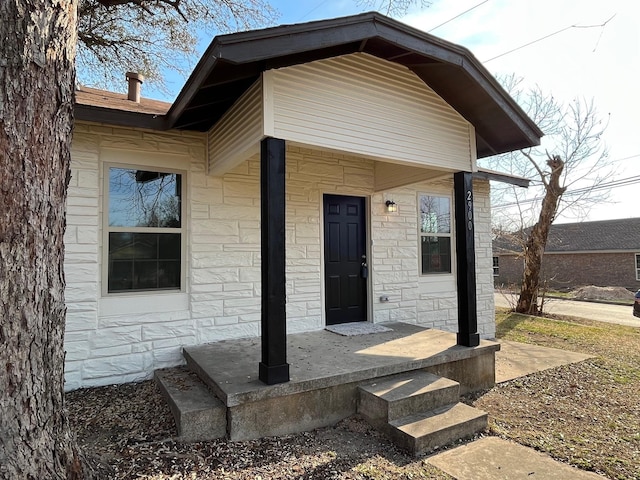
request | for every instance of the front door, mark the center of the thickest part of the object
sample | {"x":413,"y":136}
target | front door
{"x":345,"y":261}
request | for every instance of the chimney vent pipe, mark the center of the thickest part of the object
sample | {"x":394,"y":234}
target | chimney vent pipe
{"x":135,"y":80}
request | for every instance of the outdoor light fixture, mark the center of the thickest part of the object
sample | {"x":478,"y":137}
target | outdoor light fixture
{"x":391,"y":206}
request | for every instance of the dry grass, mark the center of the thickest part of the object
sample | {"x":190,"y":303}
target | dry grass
{"x":586,"y":414}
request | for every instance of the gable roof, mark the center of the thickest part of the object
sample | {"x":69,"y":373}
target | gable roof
{"x":235,"y":61}
{"x":603,"y":235}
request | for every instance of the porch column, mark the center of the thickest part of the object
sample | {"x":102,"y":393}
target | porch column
{"x":274,"y":367}
{"x":466,"y":255}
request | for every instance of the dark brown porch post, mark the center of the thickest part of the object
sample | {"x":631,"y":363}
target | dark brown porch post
{"x":466,"y":255}
{"x":273,"y":367}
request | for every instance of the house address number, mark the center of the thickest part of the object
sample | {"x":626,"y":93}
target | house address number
{"x":469,"y":210}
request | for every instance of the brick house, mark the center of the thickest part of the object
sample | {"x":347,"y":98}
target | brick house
{"x":603,"y":253}
{"x":352,"y":142}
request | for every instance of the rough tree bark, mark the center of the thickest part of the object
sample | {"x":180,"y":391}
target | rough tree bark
{"x":37,"y":77}
{"x":537,"y":240}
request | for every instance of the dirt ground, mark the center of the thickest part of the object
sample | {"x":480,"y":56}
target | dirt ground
{"x":586,"y":414}
{"x":591,"y":292}
{"x":129,"y":431}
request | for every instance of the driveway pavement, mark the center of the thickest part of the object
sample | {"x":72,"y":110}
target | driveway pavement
{"x":602,"y":312}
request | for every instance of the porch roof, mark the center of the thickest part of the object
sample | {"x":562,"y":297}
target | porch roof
{"x":233,"y":62}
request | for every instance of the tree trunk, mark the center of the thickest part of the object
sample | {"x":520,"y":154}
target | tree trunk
{"x":37,"y":78}
{"x":537,"y":240}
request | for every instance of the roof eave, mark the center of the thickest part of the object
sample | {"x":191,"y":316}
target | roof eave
{"x":502,"y":177}
{"x":121,"y":118}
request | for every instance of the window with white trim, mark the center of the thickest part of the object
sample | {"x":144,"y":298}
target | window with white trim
{"x":144,"y":230}
{"x":637,"y":266}
{"x":496,"y":266}
{"x":434,"y":219}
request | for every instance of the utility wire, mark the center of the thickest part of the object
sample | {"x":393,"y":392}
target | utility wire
{"x":623,"y":182}
{"x":312,"y":10}
{"x":602,"y":25}
{"x":457,"y":16}
{"x":625,"y":158}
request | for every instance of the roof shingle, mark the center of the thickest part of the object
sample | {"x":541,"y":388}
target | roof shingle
{"x":93,"y":97}
{"x":618,"y":234}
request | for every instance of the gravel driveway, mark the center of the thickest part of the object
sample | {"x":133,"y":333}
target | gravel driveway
{"x":602,"y":312}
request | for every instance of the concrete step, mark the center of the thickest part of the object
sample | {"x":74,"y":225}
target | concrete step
{"x":198,"y":413}
{"x":405,"y":394}
{"x":423,"y":432}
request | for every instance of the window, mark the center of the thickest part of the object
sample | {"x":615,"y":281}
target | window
{"x":435,"y":234}
{"x":496,"y":266}
{"x":637,"y":266}
{"x":144,"y":232}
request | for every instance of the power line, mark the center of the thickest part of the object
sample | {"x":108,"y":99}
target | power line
{"x":623,"y":182}
{"x":626,"y":158}
{"x":312,"y":10}
{"x":457,"y":16}
{"x":602,"y":25}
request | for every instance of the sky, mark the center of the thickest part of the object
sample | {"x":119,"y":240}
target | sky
{"x":600,"y":63}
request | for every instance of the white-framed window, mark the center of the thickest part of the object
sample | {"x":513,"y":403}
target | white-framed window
{"x":496,"y":266}
{"x":144,"y":229}
{"x":637,"y":266}
{"x":434,"y":222}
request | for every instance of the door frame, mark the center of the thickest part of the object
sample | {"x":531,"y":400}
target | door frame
{"x":367,"y":234}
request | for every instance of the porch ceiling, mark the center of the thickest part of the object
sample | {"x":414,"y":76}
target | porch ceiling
{"x":233,"y":62}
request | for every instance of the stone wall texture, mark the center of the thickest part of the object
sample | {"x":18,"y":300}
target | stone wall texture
{"x":121,"y":338}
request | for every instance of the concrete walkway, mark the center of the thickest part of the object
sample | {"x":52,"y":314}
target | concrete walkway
{"x":515,"y":359}
{"x":491,"y":458}
{"x":601,"y":312}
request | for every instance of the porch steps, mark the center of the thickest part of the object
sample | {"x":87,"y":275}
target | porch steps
{"x":198,"y":413}
{"x":419,"y":411}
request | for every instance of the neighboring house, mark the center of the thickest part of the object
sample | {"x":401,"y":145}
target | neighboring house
{"x":604,"y":253}
{"x":316,"y":132}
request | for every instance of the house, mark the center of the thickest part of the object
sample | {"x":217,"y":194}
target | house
{"x":305,"y":175}
{"x":604,"y":253}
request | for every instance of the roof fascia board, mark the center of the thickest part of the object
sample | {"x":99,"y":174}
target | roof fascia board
{"x":121,"y":118}
{"x":502,"y":177}
{"x":261,"y":45}
{"x":417,"y":40}
{"x":197,"y":78}
{"x":214,"y":53}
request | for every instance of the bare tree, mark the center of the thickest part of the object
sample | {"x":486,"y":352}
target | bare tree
{"x":148,"y":36}
{"x":36,"y":104}
{"x":393,"y":7}
{"x":568,"y":180}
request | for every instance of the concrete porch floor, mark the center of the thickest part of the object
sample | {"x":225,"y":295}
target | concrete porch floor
{"x":325,"y":370}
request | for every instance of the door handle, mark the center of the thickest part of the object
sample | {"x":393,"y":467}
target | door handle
{"x":364,"y":269}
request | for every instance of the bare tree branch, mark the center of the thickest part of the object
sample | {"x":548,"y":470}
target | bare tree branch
{"x":579,"y":163}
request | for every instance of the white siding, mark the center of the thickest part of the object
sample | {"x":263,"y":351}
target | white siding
{"x":120,"y":338}
{"x":235,"y":137}
{"x":364,"y":105}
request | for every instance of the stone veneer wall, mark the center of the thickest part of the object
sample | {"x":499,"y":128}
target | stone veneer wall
{"x":120,"y":338}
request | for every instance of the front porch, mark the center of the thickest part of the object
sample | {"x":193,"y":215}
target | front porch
{"x":326,"y":372}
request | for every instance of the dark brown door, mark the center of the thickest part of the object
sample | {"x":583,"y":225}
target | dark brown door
{"x":345,"y":262}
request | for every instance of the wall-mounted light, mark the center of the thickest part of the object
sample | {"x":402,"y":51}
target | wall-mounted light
{"x":391,"y":206}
